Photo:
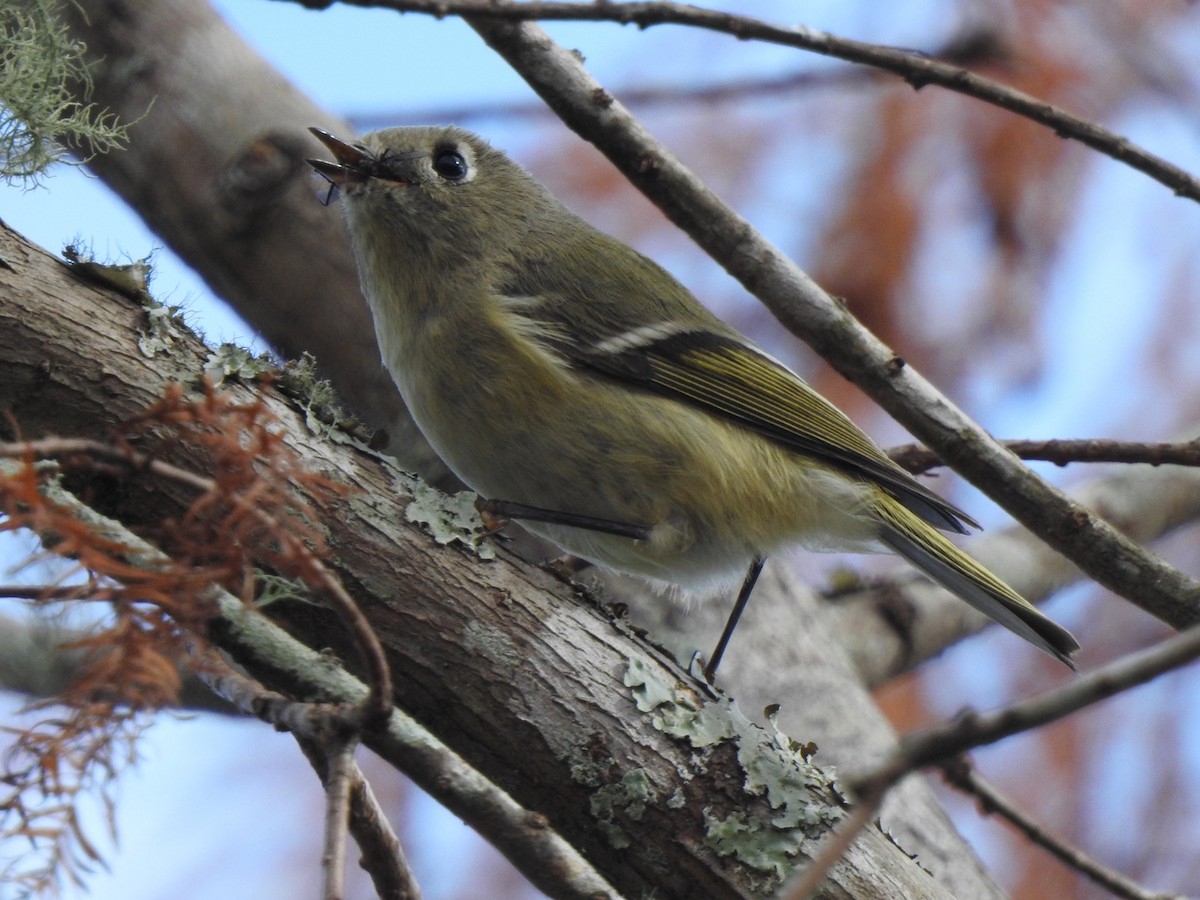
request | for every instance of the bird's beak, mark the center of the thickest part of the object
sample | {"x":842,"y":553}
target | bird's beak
{"x":353,"y":162}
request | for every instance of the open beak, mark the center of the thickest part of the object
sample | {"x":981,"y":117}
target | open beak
{"x":353,"y":162}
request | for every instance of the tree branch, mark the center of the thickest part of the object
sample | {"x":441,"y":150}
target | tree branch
{"x":379,"y":701}
{"x":262,"y":645}
{"x":918,"y":69}
{"x":944,"y":742}
{"x":964,"y":776}
{"x":382,"y":856}
{"x":919,"y":459}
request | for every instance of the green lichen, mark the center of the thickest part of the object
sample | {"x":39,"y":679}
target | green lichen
{"x":449,"y":518}
{"x":627,"y":797}
{"x":587,"y":769}
{"x":649,"y":692}
{"x":272,"y":588}
{"x":611,"y":800}
{"x":802,"y":795}
{"x":229,"y":361}
{"x":753,"y":843}
{"x":324,"y":414}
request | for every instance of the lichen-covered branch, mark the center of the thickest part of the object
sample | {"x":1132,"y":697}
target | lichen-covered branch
{"x":483,"y":652}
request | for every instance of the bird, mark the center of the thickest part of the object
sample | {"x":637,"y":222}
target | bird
{"x":580,"y":388}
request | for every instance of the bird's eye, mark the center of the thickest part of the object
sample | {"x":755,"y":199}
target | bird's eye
{"x":450,"y":165}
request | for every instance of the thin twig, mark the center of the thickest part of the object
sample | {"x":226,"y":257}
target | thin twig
{"x":938,"y":744}
{"x":379,"y":703}
{"x":46,"y":592}
{"x":339,"y":764}
{"x":382,"y":856}
{"x":917,"y":69}
{"x":754,"y":89}
{"x":919,"y":459}
{"x":381,"y":853}
{"x":963,"y":775}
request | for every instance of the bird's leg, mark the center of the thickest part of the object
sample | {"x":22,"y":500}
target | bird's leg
{"x":739,"y":606}
{"x":508,"y":509}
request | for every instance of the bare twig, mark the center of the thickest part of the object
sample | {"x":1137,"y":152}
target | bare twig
{"x":919,"y":459}
{"x":963,"y":775}
{"x":381,"y":853}
{"x":382,"y":856}
{"x":943,"y":742}
{"x":917,"y":69}
{"x":45,"y":592}
{"x":339,"y":766}
{"x":755,"y":89}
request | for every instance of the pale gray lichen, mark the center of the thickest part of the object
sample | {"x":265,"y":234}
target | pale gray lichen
{"x":324,"y":414}
{"x":770,"y":850}
{"x":45,"y":89}
{"x":161,"y":331}
{"x":610,"y":799}
{"x":229,"y":361}
{"x":588,"y":770}
{"x":803,"y":795}
{"x":449,"y":518}
{"x":163,"y":324}
{"x":627,"y":797}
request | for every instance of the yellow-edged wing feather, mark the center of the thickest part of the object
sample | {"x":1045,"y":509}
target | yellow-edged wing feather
{"x":734,"y":380}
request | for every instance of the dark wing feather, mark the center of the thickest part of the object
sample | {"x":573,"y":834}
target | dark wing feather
{"x":577,"y":278}
{"x":724,"y":375}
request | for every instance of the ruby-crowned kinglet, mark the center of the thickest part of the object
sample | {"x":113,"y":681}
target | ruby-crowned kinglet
{"x":555,"y":368}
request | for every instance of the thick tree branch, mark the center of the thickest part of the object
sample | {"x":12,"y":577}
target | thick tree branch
{"x":259,"y":643}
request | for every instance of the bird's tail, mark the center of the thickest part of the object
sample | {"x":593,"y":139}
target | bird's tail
{"x":928,"y":550}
